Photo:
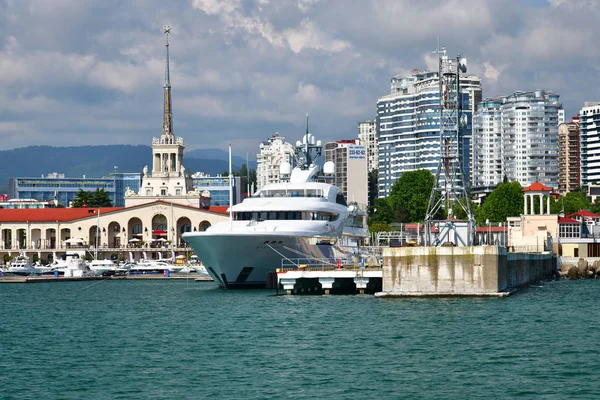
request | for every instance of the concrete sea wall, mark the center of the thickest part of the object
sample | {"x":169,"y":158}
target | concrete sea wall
{"x":461,"y":271}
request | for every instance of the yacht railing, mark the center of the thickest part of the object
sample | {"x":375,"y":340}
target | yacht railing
{"x":324,"y":264}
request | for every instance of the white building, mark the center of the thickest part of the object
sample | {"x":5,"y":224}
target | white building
{"x":367,"y":135}
{"x":516,"y":137}
{"x":351,"y":176}
{"x":273,"y":152}
{"x":589,"y":132}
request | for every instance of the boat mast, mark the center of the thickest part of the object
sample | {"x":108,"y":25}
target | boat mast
{"x":97,"y":235}
{"x":230,"y":191}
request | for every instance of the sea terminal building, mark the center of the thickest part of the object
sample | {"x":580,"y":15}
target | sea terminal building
{"x":118,"y":233}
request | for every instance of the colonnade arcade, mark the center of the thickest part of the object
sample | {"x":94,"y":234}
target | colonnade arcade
{"x":109,"y":233}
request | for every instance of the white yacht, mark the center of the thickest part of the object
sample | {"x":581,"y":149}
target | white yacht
{"x":153,"y":267}
{"x":22,"y":266}
{"x":100,"y":267}
{"x":75,"y":266}
{"x":301,"y":218}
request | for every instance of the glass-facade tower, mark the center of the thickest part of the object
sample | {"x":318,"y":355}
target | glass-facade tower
{"x":408,"y":126}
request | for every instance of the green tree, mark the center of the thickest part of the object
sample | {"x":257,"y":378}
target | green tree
{"x":82,"y":198}
{"x":410,"y":196}
{"x":7,"y":258}
{"x":382,"y":213}
{"x":595,"y":208}
{"x":570,"y":203}
{"x":459,"y":212}
{"x":99,"y":198}
{"x":506,"y":200}
{"x":380,"y":227}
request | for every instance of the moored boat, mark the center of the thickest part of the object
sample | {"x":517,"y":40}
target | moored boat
{"x":301,"y":218}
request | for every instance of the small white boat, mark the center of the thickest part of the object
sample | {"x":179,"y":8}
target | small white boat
{"x":154,"y":267}
{"x":22,"y":266}
{"x":101,"y":267}
{"x":76,"y":267}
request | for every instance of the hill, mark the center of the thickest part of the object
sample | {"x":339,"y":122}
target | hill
{"x":91,"y":161}
{"x":218,"y":154}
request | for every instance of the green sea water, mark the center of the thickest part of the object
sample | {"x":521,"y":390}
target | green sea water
{"x":188,"y":340}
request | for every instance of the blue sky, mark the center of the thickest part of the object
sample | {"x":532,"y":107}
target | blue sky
{"x":77,"y":72}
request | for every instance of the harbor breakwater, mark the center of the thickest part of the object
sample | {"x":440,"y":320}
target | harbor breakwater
{"x":461,"y":271}
{"x":579,"y":268}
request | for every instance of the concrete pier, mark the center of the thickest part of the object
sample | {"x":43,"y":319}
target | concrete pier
{"x":332,"y":281}
{"x":461,"y":271}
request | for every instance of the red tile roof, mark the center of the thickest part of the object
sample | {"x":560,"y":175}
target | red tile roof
{"x":567,"y":220}
{"x":219,"y":209}
{"x":51,"y":214}
{"x":485,"y":229}
{"x":583,"y":213}
{"x":72,"y":214}
{"x":537,"y":187}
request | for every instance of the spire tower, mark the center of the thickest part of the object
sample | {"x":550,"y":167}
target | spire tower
{"x":168,"y":116}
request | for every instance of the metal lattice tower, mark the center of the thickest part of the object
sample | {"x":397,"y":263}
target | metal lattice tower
{"x":449,"y":189}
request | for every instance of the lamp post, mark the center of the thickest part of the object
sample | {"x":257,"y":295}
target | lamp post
{"x":487,"y":221}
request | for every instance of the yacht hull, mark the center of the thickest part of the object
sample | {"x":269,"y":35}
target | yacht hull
{"x":241,"y":261}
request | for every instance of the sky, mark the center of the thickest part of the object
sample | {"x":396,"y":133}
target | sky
{"x":91,"y":72}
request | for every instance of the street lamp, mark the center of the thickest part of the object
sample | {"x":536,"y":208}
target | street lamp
{"x":487,"y":221}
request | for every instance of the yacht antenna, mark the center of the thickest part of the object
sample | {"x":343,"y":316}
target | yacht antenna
{"x":307,"y":123}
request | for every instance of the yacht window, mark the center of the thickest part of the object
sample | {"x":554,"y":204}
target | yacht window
{"x":340,"y":199}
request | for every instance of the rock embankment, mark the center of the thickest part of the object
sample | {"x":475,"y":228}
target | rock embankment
{"x":582,"y":270}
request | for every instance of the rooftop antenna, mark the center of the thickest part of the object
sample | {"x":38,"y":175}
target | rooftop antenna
{"x":168,"y":113}
{"x":449,"y":188}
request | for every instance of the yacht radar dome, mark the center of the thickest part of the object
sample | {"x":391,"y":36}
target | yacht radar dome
{"x":285,"y":168}
{"x":329,"y":168}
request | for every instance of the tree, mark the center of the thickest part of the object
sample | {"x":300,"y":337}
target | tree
{"x":382,"y":213}
{"x":410,"y":196}
{"x":7,"y":258}
{"x":99,"y":198}
{"x":570,"y":203}
{"x":380,"y":227}
{"x":506,"y":200}
{"x":460,"y":213}
{"x":82,"y":198}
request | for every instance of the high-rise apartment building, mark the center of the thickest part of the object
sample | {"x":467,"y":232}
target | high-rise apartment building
{"x":408,"y":126}
{"x":487,"y":147}
{"x":568,"y":156}
{"x":351,"y":176}
{"x":367,"y":135}
{"x":273,"y":152}
{"x":589,"y":131}
{"x":519,"y":133}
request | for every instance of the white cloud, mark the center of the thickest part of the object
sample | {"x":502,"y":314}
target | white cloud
{"x":242,"y":69}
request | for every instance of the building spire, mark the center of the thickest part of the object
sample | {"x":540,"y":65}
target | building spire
{"x":168,"y":116}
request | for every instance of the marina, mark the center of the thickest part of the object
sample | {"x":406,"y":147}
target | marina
{"x":52,"y":278}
